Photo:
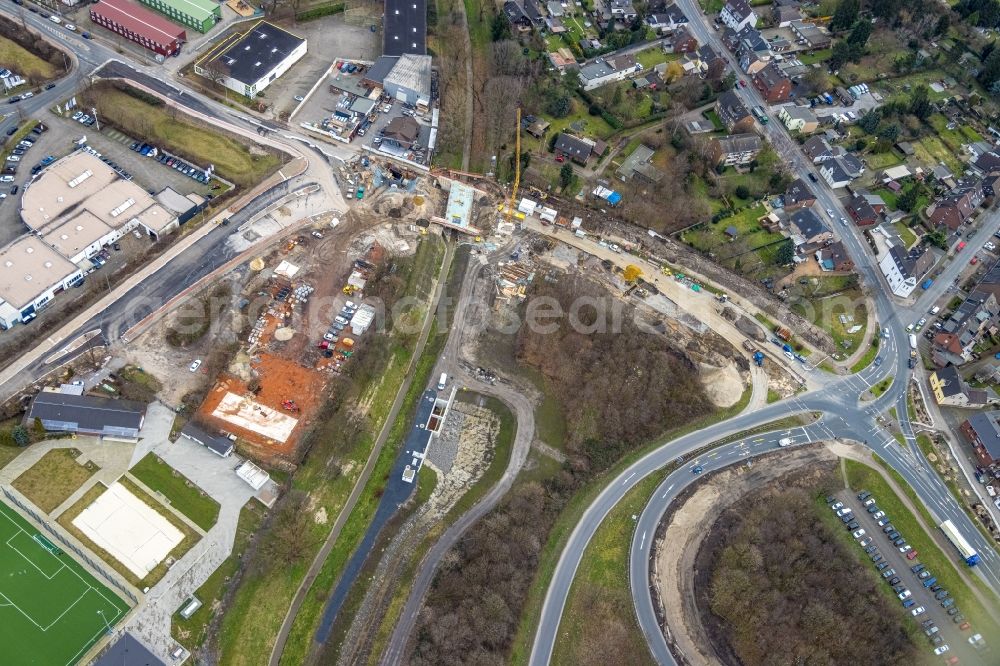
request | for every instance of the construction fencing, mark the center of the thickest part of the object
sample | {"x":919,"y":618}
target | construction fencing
{"x":113,"y":580}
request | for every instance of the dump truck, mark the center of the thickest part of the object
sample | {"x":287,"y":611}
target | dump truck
{"x":783,"y":333}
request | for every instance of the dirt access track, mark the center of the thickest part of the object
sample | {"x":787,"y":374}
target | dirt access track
{"x":686,"y":528}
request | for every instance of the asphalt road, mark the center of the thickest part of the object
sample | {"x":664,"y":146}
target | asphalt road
{"x":844,"y":416}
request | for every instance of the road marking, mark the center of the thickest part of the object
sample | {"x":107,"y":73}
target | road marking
{"x":667,"y":491}
{"x":643,"y":542}
{"x":627,"y":478}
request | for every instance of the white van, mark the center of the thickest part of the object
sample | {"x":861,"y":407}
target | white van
{"x":442,"y":381}
{"x":785,"y":441}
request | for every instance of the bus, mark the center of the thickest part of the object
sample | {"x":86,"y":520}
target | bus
{"x":761,"y":116}
{"x":970,"y":556}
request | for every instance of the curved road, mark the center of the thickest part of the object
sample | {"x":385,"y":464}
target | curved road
{"x":843,"y":415}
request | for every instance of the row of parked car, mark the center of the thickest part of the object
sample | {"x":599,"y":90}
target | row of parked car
{"x":84,"y":118}
{"x":110,"y":162}
{"x":149,"y":150}
{"x":893,"y":578}
{"x":340,"y":322}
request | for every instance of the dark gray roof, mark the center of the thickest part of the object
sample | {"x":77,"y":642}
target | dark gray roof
{"x":405,"y":27}
{"x":88,"y":412}
{"x":798,"y":192}
{"x":217,"y":443}
{"x":808,"y":223}
{"x":988,"y":431}
{"x":381,"y":68}
{"x":731,"y":109}
{"x":951,"y":381}
{"x":573,"y":146}
{"x":257,"y":52}
{"x":128,"y":651}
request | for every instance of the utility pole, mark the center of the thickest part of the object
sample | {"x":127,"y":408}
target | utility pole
{"x":96,"y":121}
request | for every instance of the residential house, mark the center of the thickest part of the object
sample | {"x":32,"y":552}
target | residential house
{"x":956,"y":207}
{"x":738,"y":14}
{"x":537,"y":128}
{"x":749,"y":40}
{"x":638,"y":165}
{"x":216,"y":443}
{"x":798,"y":195}
{"x":534,"y":12}
{"x":965,"y":328}
{"x":798,"y":118}
{"x":817,"y":149}
{"x":735,"y":149}
{"x":948,"y":387}
{"x":682,"y":41}
{"x":555,"y":9}
{"x":773,"y":85}
{"x":991,"y":281}
{"x":875,"y":201}
{"x":783,"y":15}
{"x":982,"y":430}
{"x":861,"y":211}
{"x":667,"y":20}
{"x":833,"y":257}
{"x":808,"y":227}
{"x":711,"y":62}
{"x":810,"y":36}
{"x":516,"y":16}
{"x":839,"y":171}
{"x":555,"y":25}
{"x":577,"y":149}
{"x":989,"y":184}
{"x":751,"y":63}
{"x":986,"y":163}
{"x":607,"y":69}
{"x":562,"y":59}
{"x":734,"y":115}
{"x":623,"y":10}
{"x":903,"y":270}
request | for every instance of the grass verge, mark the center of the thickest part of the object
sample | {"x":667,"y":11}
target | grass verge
{"x":57,"y":475}
{"x":179,"y":491}
{"x":601,"y":585}
{"x":192,"y":632}
{"x":866,"y":358}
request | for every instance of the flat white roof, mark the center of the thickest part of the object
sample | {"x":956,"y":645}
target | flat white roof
{"x":29,"y":267}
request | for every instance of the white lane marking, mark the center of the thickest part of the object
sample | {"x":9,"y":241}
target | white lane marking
{"x":667,"y":491}
{"x":627,"y":478}
{"x":643,"y":542}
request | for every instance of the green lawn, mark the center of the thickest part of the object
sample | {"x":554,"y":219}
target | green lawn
{"x":601,"y":590}
{"x":25,"y":63}
{"x":180,"y":493}
{"x":651,"y":57}
{"x":944,"y":564}
{"x":713,"y":117}
{"x":57,"y":475}
{"x":815,"y":56}
{"x":883,"y":160}
{"x":752,"y":253}
{"x":826,"y":311}
{"x":56,"y":609}
{"x":867,"y":358}
{"x":233,"y":158}
{"x":191,"y":633}
{"x":905,"y":233}
{"x":932,"y":151}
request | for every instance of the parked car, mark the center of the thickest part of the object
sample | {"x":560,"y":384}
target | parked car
{"x":917,"y":611}
{"x":195,"y":364}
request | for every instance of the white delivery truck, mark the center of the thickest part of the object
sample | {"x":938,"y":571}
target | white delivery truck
{"x":442,"y":381}
{"x":913,"y":341}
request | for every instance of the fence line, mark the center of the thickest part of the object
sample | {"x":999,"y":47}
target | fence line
{"x":72,"y":546}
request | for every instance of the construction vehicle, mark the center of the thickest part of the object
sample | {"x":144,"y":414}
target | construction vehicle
{"x":517,"y":169}
{"x":758,"y":358}
{"x":783,"y":333}
{"x":541,"y":194}
{"x":349,"y":289}
{"x":290,"y":405}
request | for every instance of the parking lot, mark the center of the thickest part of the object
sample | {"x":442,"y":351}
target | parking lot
{"x":940,"y":620}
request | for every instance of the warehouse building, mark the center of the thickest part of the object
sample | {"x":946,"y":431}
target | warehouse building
{"x":142,"y":26}
{"x":31,"y":274}
{"x":405,"y":27}
{"x":79,"y":204}
{"x":406,"y":78}
{"x":201,"y":15}
{"x":86,"y":415}
{"x":248,"y":63}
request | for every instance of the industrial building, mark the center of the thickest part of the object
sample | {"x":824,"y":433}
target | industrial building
{"x":405,"y":27}
{"x":249,"y":62}
{"x":86,"y":415}
{"x":140,"y":25}
{"x":200,"y":15}
{"x":31,"y":274}
{"x":405,"y":78}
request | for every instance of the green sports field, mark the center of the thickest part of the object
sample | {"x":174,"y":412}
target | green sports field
{"x":51,"y":610}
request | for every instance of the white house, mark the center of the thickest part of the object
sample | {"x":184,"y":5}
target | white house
{"x":607,"y":69}
{"x":251,"y":63}
{"x":737,"y":15}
